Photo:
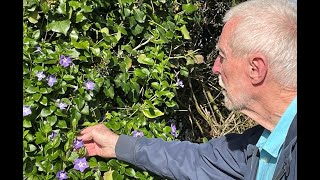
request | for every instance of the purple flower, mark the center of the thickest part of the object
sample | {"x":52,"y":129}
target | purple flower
{"x":62,"y":105}
{"x":137,"y":133}
{"x":65,"y":61}
{"x":173,"y":130}
{"x":26,"y":110}
{"x":62,"y":175}
{"x":81,"y":164}
{"x":180,"y":83}
{"x":38,"y":50}
{"x":52,"y":135}
{"x":77,"y":144}
{"x":51,"y":80}
{"x":89,"y":85}
{"x":40,"y":75}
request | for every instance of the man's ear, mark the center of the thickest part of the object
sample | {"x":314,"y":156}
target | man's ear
{"x":258,"y":68}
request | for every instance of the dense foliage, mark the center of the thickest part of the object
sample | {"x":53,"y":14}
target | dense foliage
{"x":124,"y":63}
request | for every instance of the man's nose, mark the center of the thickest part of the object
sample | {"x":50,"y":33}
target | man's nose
{"x":216,"y":66}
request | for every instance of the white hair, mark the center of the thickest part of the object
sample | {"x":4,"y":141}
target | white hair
{"x":268,"y":27}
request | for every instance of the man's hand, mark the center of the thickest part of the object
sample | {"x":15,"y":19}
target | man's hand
{"x":99,"y":140}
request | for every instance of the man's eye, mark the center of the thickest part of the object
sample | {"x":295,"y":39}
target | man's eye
{"x":221,"y":58}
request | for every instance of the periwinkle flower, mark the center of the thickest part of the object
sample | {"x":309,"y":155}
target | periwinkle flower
{"x":40,"y":75}
{"x":180,"y":83}
{"x":62,"y":175}
{"x":77,"y":144}
{"x":62,"y":105}
{"x":64,"y":61}
{"x":52,"y":135}
{"x":81,"y":164}
{"x":26,"y":110}
{"x":137,"y":133}
{"x":173,"y":130}
{"x":38,"y":49}
{"x":89,"y":85}
{"x":51,"y":80}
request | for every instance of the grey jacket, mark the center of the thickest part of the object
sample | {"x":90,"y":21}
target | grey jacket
{"x":233,"y":156}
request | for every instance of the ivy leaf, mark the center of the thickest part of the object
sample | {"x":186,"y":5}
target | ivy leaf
{"x":143,"y":59}
{"x":139,"y":15}
{"x":62,"y":8}
{"x":189,"y":8}
{"x":185,"y":32}
{"x":109,"y":92}
{"x":80,"y":17}
{"x":137,"y":30}
{"x":152,"y":112}
{"x":59,"y":26}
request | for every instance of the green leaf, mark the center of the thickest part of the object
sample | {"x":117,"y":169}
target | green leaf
{"x":166,"y":129}
{"x":62,"y":124}
{"x":185,"y":32}
{"x":85,"y":110}
{"x":32,"y":147}
{"x":59,"y":26}
{"x":62,"y":7}
{"x":184,"y":71}
{"x":137,"y":30}
{"x":152,"y":112}
{"x":189,"y":8}
{"x":143,"y":59}
{"x":45,"y":7}
{"x":95,"y":51}
{"x":68,"y":77}
{"x":74,"y":155}
{"x":93,"y":162}
{"x":40,"y":138}
{"x":171,"y":103}
{"x":36,"y":97}
{"x":79,"y":102}
{"x":103,"y":166}
{"x":32,"y":90}
{"x":75,"y":114}
{"x":47,"y":128}
{"x":55,"y":155}
{"x":46,"y":112}
{"x":52,"y":120}
{"x":109,"y":92}
{"x":44,"y":101}
{"x":26,"y":124}
{"x":81,"y":45}
{"x":105,"y":31}
{"x":139,"y":15}
{"x":141,"y":73}
{"x":155,"y":85}
{"x":130,"y":172}
{"x":80,"y":17}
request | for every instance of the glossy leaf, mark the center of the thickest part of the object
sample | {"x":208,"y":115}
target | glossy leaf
{"x":59,"y":26}
{"x":185,"y":32}
{"x":152,"y":112}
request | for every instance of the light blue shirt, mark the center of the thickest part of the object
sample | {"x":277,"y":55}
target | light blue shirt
{"x":270,"y":143}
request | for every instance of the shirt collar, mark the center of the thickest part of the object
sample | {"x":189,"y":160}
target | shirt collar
{"x":272,"y":141}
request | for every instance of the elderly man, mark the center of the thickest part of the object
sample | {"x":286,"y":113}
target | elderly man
{"x":256,"y":65}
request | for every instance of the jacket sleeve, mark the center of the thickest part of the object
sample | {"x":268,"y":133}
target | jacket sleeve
{"x":219,"y":158}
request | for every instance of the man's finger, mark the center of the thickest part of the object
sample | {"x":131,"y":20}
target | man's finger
{"x":86,"y":137}
{"x":87,"y":129}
